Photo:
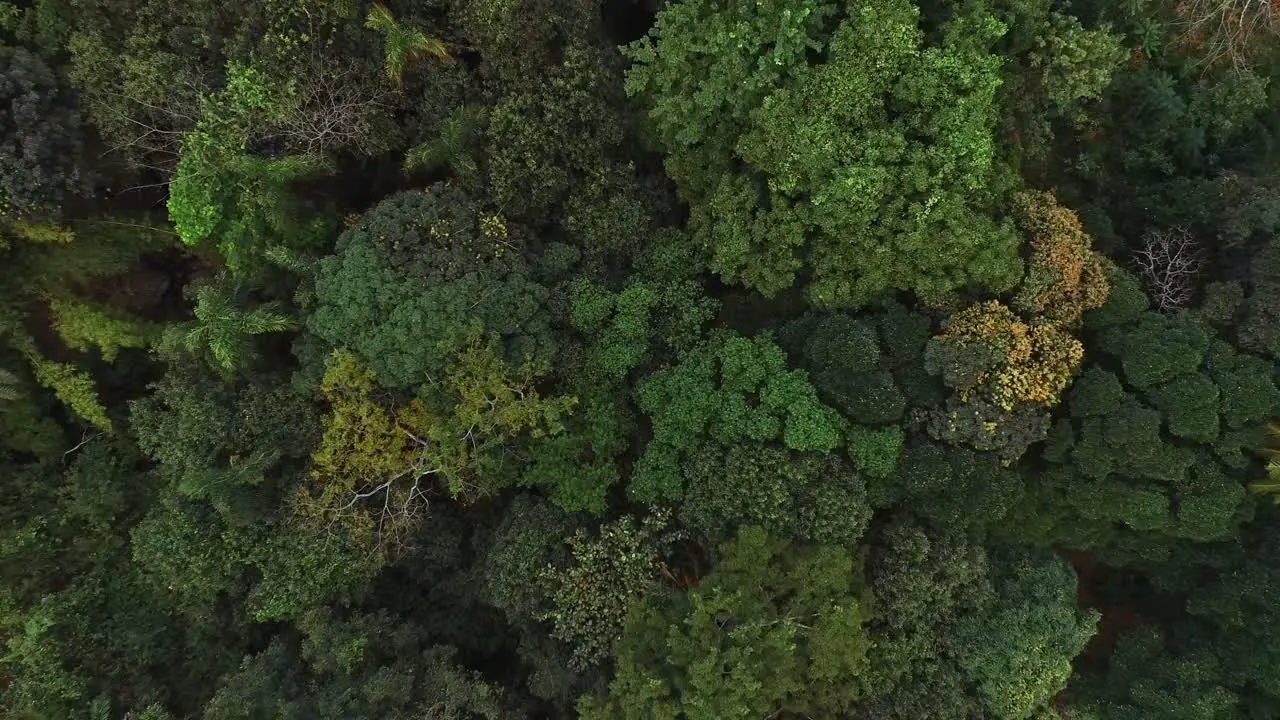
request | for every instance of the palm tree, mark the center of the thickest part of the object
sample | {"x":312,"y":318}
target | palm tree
{"x":224,"y":327}
{"x":404,"y":45}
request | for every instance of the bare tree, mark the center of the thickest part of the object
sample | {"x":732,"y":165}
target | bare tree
{"x":1227,"y":30}
{"x":335,"y":107}
{"x":1168,"y":264}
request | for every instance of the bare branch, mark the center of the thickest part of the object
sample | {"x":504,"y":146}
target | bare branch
{"x":1227,"y":29}
{"x":1168,"y":264}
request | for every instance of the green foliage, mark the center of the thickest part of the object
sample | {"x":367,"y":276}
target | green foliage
{"x":802,"y":497}
{"x":218,"y":440}
{"x":223,"y":330}
{"x":1156,"y":349}
{"x":522,"y":439}
{"x":772,"y":629}
{"x":589,"y":597}
{"x":577,"y":466}
{"x":625,"y":328}
{"x":1161,"y":456}
{"x":1097,"y":392}
{"x":1125,"y":302}
{"x":40,"y":143}
{"x":224,"y":192}
{"x":547,"y":142}
{"x":82,"y":326}
{"x":1147,"y":678}
{"x":849,"y":371}
{"x":1190,"y":407}
{"x":74,"y":387}
{"x":1020,"y":652}
{"x":923,"y":583}
{"x":875,"y":452}
{"x":954,"y":488}
{"x":1258,"y":321}
{"x":732,"y":390}
{"x":417,"y":277}
{"x":731,"y":83}
{"x":1059,"y":69}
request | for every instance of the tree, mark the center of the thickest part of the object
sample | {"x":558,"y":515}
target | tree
{"x":1019,"y":653}
{"x":404,"y":45}
{"x":1065,"y":277}
{"x":772,"y":629}
{"x":232,"y":442}
{"x":1159,"y":452}
{"x":731,"y":389}
{"x":1005,"y":372}
{"x":804,"y":497}
{"x":224,"y":192}
{"x":730,"y":94}
{"x":589,"y":597}
{"x":223,"y":330}
{"x":418,"y":275}
{"x":375,"y":465}
{"x":83,"y":326}
{"x":1169,"y":263}
{"x":39,"y":139}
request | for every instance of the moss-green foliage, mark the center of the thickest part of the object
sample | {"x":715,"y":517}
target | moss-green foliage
{"x":850,"y":372}
{"x":919,"y":176}
{"x":1148,"y":677}
{"x":732,"y":390}
{"x":772,"y":629}
{"x":224,"y":193}
{"x":545,"y":141}
{"x":417,"y":276}
{"x":875,"y":452}
{"x":229,"y":443}
{"x":805,"y":497}
{"x":577,"y":466}
{"x":923,"y":583}
{"x":964,"y":489}
{"x":625,"y":363}
{"x":1156,"y":349}
{"x":1057,"y":69}
{"x":1159,"y":451}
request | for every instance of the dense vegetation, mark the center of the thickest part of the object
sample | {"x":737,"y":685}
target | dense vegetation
{"x":639,"y":359}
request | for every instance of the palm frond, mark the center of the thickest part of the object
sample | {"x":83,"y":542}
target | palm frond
{"x":403,"y":45}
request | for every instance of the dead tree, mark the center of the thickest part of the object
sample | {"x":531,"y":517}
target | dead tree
{"x":1227,"y":30}
{"x":1168,"y":265}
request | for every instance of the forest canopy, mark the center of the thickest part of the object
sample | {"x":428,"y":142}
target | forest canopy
{"x":639,"y":360}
